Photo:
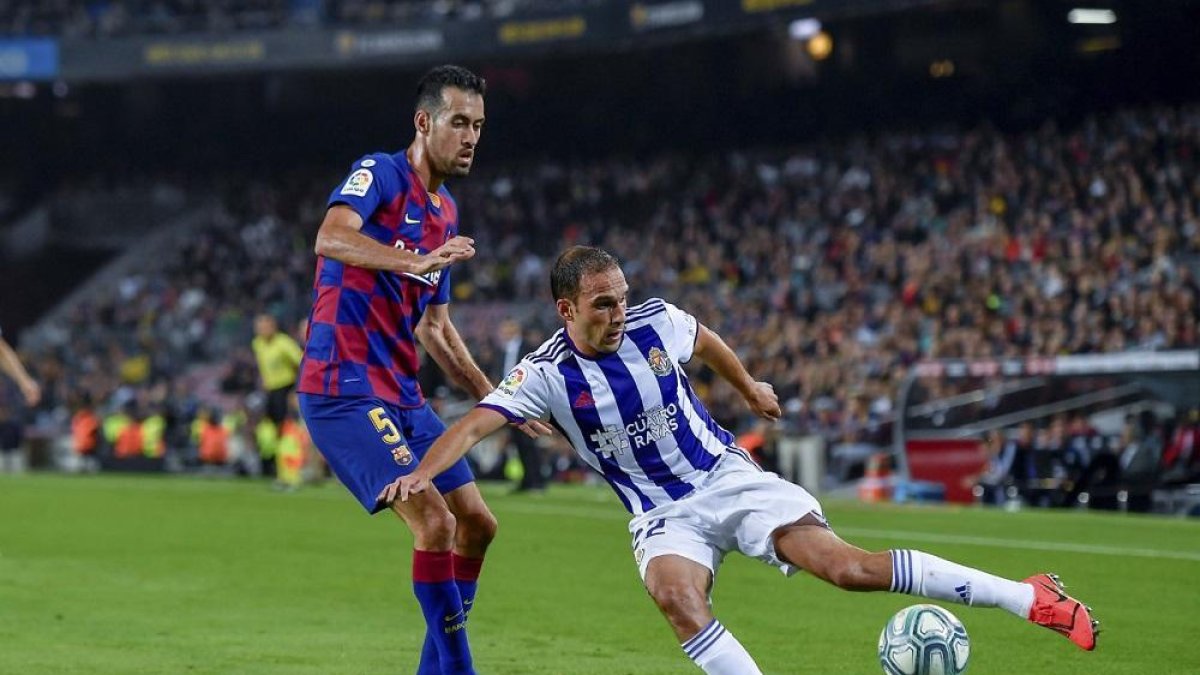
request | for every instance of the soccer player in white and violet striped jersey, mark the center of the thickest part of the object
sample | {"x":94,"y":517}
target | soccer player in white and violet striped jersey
{"x":611,"y":381}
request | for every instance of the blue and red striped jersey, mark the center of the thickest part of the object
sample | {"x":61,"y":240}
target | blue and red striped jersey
{"x":362,"y":328}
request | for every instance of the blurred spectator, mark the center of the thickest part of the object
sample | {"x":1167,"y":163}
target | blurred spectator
{"x":1004,"y":457}
{"x":514,"y":345}
{"x":211,"y":437}
{"x":85,"y":434}
{"x":1181,"y":459}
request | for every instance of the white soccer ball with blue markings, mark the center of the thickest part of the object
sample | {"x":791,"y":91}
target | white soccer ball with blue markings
{"x":924,"y":640}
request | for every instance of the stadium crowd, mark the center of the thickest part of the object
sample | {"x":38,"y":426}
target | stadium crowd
{"x":113,"y":18}
{"x":831,"y":268}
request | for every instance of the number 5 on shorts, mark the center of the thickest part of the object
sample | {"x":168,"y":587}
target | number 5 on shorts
{"x":382,"y":423}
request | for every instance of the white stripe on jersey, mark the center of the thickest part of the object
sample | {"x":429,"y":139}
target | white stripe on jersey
{"x":635,"y":426}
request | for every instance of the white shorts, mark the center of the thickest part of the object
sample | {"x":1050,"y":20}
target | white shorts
{"x":738,"y":507}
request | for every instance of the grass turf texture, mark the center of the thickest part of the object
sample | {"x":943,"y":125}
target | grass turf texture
{"x":175,"y":575}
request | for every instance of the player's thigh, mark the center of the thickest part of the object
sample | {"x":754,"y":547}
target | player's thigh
{"x":763,"y":504}
{"x":810,"y":545}
{"x":422,"y":427}
{"x":673,"y":533}
{"x":360,"y":438}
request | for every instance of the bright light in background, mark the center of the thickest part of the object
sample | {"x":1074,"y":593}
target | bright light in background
{"x":942,"y":68}
{"x":820,"y":46}
{"x":804,"y":29}
{"x":1098,"y":16}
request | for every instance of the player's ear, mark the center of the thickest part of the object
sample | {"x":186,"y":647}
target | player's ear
{"x":422,"y":121}
{"x":565,"y":310}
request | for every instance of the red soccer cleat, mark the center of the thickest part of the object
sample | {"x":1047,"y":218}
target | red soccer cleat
{"x":1061,"y":613}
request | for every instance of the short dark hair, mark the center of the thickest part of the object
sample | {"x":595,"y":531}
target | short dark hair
{"x":575,"y":262}
{"x":429,"y":89}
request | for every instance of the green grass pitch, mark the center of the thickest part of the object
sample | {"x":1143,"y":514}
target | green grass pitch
{"x":175,"y":575}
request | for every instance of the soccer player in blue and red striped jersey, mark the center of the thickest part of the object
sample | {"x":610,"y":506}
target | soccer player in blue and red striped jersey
{"x":382,"y":284}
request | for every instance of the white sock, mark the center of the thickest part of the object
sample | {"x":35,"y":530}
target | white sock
{"x":717,"y":652}
{"x":918,"y":573}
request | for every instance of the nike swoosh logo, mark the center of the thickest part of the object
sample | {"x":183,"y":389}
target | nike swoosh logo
{"x":410,"y":221}
{"x":451,"y":617}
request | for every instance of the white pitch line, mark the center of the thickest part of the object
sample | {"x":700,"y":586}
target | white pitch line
{"x":1029,"y":545}
{"x":905,"y":535}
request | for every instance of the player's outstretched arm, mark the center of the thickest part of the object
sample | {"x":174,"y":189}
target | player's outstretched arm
{"x":341,"y":239}
{"x":713,"y":351}
{"x":11,"y":365}
{"x":448,"y":449}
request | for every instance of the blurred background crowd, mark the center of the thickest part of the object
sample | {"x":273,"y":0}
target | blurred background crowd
{"x":831,"y":258}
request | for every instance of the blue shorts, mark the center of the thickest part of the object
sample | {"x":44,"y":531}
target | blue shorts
{"x":369,"y":443}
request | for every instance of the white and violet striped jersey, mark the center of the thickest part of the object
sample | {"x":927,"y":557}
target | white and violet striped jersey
{"x":632,"y":414}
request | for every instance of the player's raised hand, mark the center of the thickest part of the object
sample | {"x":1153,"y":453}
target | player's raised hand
{"x":535,"y":428}
{"x":763,"y":401}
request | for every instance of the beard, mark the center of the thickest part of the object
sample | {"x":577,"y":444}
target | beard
{"x":452,"y":168}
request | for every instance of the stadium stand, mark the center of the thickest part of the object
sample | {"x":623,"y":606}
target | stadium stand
{"x":831,"y":268}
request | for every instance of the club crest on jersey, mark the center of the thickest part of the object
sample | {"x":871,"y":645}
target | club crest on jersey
{"x":512,"y":382}
{"x":430,"y":278}
{"x":659,"y":363}
{"x":358,"y":183}
{"x":402,"y":455}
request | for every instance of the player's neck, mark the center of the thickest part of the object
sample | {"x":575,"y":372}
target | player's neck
{"x":419,"y":162}
{"x":580,"y":345}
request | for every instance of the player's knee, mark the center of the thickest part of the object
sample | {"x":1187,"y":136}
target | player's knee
{"x":478,"y":528}
{"x":435,"y":530}
{"x":684,"y":605}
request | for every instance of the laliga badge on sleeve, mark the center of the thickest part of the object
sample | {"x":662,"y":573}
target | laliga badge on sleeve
{"x":358,"y":183}
{"x":512,"y":382}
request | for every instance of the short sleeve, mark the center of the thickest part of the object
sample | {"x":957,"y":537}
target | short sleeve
{"x":682,"y":329}
{"x":372,"y":181}
{"x":523,"y":394}
{"x":441,"y":294}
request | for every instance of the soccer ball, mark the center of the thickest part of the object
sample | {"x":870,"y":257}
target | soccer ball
{"x":924,"y":640}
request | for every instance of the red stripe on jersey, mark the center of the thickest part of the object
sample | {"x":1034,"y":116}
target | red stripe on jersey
{"x":392,"y":214}
{"x":358,"y":279}
{"x":383,"y":383}
{"x":351,"y":343}
{"x":312,"y":376}
{"x":325,"y":306}
{"x":405,"y":357}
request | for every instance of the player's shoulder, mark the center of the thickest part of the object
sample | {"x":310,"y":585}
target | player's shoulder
{"x":653,"y":309}
{"x":550,"y":352}
{"x":383,"y":165}
{"x":379,"y":163}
